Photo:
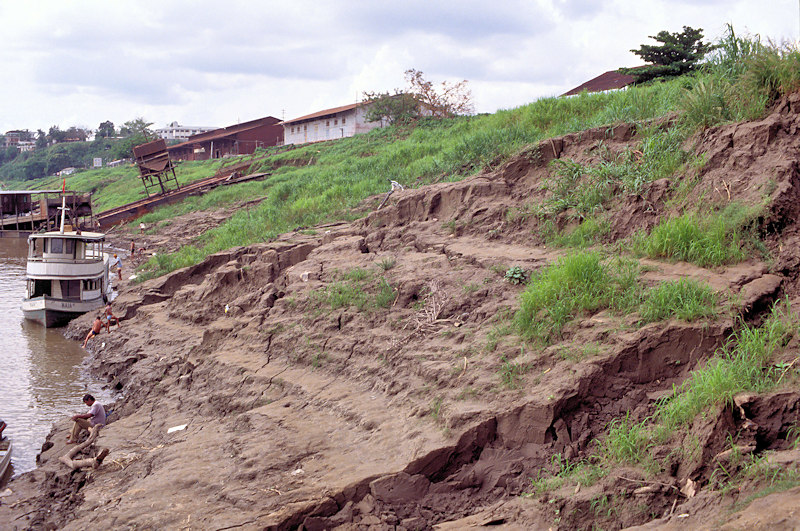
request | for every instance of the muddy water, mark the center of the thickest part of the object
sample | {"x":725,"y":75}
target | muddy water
{"x":41,"y":378}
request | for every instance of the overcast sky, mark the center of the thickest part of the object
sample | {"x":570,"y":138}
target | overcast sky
{"x":217,"y":63}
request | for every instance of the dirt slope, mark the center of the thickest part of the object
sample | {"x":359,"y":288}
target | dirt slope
{"x":395,"y":415}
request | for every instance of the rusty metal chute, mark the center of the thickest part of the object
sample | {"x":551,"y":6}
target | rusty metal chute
{"x":155,"y":167}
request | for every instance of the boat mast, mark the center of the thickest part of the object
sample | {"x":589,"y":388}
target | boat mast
{"x":63,"y":211}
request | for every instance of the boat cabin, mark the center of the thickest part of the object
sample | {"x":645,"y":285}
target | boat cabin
{"x":66,"y":266}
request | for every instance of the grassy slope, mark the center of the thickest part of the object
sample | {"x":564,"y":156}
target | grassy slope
{"x":113,"y":187}
{"x":322,"y":182}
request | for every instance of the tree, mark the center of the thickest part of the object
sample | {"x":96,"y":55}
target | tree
{"x":56,"y":135}
{"x":448,"y":101}
{"x":41,"y":139}
{"x":137,"y":127}
{"x":678,"y":54}
{"x":105,"y":130}
{"x":397,"y":108}
{"x":421,"y":98}
{"x":76,"y":134}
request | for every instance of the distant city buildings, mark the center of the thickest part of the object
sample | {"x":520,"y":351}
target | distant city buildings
{"x":175,"y":131}
{"x":22,"y":140}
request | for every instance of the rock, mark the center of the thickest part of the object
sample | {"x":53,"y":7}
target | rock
{"x":366,"y":505}
{"x":370,"y":519}
{"x":689,"y":489}
{"x":414,"y":524}
{"x":344,"y":515}
{"x":317,"y":523}
{"x":399,"y":488}
{"x":647,"y":489}
{"x":757,"y":294}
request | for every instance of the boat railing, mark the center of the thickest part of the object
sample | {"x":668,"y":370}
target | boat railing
{"x":66,"y":260}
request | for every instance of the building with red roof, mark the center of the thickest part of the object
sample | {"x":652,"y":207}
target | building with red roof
{"x":239,"y":139}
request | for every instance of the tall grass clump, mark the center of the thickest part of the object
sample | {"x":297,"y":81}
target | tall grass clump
{"x":627,"y":441}
{"x":586,"y":189}
{"x":741,"y":365}
{"x":683,"y":299}
{"x":706,"y":240}
{"x":773,"y":72}
{"x":579,"y":282}
{"x":588,"y":233}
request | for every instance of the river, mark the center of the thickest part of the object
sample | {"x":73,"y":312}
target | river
{"x":41,"y":374}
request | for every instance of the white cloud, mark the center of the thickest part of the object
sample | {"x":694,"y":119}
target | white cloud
{"x":211,"y":63}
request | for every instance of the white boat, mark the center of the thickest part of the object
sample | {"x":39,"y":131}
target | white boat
{"x":67,"y":275}
{"x":5,"y":456}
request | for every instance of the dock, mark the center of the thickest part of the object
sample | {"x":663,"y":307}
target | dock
{"x":25,"y":211}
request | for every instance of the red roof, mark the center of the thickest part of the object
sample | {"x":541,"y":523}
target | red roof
{"x":319,"y":114}
{"x":608,"y":81}
{"x":227,"y":131}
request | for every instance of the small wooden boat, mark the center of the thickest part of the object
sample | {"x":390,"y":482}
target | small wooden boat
{"x":5,"y":456}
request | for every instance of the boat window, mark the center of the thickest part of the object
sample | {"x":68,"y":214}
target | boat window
{"x":70,"y":289}
{"x":69,"y":247}
{"x":56,"y":245}
{"x":41,"y":287}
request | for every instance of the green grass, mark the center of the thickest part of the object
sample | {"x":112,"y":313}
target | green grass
{"x":563,"y":471}
{"x":359,"y":288}
{"x":584,"y":190}
{"x":627,"y":441}
{"x":324,"y":182}
{"x":511,"y":373}
{"x":113,"y":187}
{"x":683,"y":299}
{"x":713,"y":239}
{"x":741,"y":365}
{"x":590,"y":232}
{"x":577,"y":283}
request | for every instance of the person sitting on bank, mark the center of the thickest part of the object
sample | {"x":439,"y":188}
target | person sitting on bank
{"x":96,"y":327}
{"x":111,"y":318}
{"x":96,"y":416}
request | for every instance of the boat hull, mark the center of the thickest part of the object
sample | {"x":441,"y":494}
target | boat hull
{"x":5,"y":456}
{"x":51,"y":312}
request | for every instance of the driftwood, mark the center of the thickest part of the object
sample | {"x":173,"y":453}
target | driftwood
{"x":69,"y":458}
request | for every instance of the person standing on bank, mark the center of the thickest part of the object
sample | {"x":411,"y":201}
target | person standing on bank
{"x":116,"y":262}
{"x":96,"y":416}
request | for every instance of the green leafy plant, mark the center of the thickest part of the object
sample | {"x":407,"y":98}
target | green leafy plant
{"x":516,"y":275}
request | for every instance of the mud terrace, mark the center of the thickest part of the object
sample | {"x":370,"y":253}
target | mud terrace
{"x":394,"y":415}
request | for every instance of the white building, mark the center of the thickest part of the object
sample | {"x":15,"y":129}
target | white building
{"x":329,"y":124}
{"x":26,"y":145}
{"x":176,"y":131}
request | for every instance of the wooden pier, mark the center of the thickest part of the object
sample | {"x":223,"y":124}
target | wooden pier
{"x":25,"y":211}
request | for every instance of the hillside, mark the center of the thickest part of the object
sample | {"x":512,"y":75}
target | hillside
{"x":590,"y":328}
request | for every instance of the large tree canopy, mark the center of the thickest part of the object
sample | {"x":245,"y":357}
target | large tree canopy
{"x":678,"y":54}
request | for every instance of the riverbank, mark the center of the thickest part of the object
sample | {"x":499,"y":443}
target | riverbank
{"x":369,"y":375}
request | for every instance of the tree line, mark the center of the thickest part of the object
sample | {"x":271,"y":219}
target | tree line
{"x":58,"y":149}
